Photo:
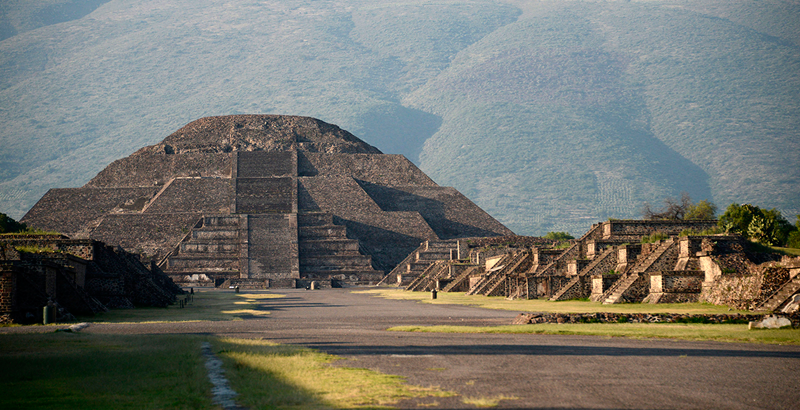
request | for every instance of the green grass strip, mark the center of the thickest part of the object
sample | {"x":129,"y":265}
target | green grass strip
{"x":680,"y":331}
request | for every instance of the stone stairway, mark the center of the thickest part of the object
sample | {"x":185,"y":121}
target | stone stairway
{"x":490,"y":284}
{"x":566,"y":289}
{"x":427,"y":280}
{"x":600,"y":262}
{"x":326,"y":254}
{"x":666,"y":254}
{"x":615,"y":293}
{"x":419,"y":260}
{"x":461,"y":281}
{"x":774,"y":302}
{"x":422,"y":277}
{"x":209,"y":255}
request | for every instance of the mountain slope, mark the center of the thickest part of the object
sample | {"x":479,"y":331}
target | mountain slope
{"x":550,"y":115}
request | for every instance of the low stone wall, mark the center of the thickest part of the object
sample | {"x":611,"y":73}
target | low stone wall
{"x":535,"y":318}
{"x":639,"y":228}
{"x":677,"y":282}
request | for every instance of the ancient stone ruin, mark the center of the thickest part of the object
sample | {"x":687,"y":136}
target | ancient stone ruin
{"x":610,"y":264}
{"x":74,"y":277}
{"x":264,"y":201}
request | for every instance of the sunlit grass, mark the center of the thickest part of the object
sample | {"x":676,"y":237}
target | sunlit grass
{"x":270,"y":375}
{"x":206,"y":305}
{"x":492,"y":401}
{"x":544,"y":305}
{"x":91,"y":371}
{"x":683,"y":331}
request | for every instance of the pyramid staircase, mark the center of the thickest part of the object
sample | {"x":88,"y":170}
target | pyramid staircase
{"x":569,"y":288}
{"x":461,"y":281}
{"x":781,"y":296}
{"x":665,"y":253}
{"x":209,"y":254}
{"x":325,"y":252}
{"x":427,"y":280}
{"x":418,"y":261}
{"x":615,"y":293}
{"x":490,"y":285}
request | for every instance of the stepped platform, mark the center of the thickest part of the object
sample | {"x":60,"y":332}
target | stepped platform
{"x":293,"y":197}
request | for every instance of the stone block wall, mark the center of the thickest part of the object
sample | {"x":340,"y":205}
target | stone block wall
{"x":151,"y":234}
{"x":263,"y":164}
{"x":736,"y":290}
{"x":266,"y":195}
{"x":545,"y":286}
{"x":677,"y":282}
{"x":161,"y":168}
{"x":449,"y":213}
{"x":637,"y":228}
{"x":70,"y":210}
{"x":7,"y":286}
{"x":391,"y":170}
{"x":195,"y":195}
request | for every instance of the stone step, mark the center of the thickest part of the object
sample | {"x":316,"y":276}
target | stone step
{"x":365,"y":275}
{"x":314,"y":219}
{"x":214,"y":234}
{"x":434,"y":255}
{"x":188,"y":262}
{"x":322,"y":232}
{"x":220,"y":221}
{"x":419,"y":267}
{"x":335,"y":261}
{"x":183,"y":276}
{"x":327,"y":245}
{"x":786,"y":291}
{"x":209,"y":247}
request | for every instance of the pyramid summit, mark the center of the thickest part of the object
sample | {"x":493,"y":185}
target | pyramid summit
{"x":266,"y":200}
{"x":262,"y":133}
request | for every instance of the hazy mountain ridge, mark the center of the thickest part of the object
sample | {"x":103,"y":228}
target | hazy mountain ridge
{"x":549,"y":115}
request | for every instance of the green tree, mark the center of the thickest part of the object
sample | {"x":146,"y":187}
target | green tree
{"x":766,"y":226}
{"x":9,"y":225}
{"x":793,"y":239}
{"x":701,"y":210}
{"x":558,"y":236}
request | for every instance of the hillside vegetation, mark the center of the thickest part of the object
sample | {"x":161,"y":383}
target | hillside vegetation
{"x":550,"y":115}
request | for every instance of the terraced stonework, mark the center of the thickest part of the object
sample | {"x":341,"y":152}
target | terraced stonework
{"x":264,"y":200}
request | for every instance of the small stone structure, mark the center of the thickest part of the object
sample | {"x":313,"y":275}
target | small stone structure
{"x":610,"y":265}
{"x":81,"y":277}
{"x":264,"y":201}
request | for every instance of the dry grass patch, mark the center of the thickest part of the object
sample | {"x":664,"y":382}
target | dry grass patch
{"x":270,"y":375}
{"x":206,"y":305}
{"x":484,"y":402}
{"x":682,"y":331}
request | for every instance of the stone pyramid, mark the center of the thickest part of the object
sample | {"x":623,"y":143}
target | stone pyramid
{"x":267,"y":200}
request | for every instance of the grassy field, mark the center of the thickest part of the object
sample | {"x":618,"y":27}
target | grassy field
{"x":85,"y":371}
{"x":97,"y":371}
{"x":543,"y":305}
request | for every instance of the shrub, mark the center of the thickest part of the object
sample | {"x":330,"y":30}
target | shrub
{"x":9,"y":225}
